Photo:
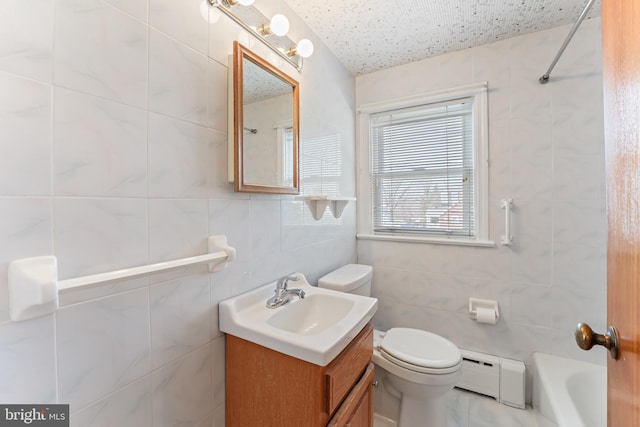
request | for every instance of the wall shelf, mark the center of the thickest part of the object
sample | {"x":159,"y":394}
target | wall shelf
{"x":318,"y":204}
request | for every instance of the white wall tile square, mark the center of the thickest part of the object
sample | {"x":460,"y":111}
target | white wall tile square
{"x":591,"y":228}
{"x":26,"y":41}
{"x":528,"y":97}
{"x":219,"y":419}
{"x":207,"y":422}
{"x":566,"y":167}
{"x":27,"y":355}
{"x":491,"y":62}
{"x":531,"y":136}
{"x":101,"y":51}
{"x":222,"y":33}
{"x":139,"y":9}
{"x":265,"y":216}
{"x":102,"y":346}
{"x":99,"y":235}
{"x":181,"y":20}
{"x":178,"y":158}
{"x":25,"y":231}
{"x":218,"y":371}
{"x":182,"y":390}
{"x":100,"y":147}
{"x":178,"y":228}
{"x":25,"y":120}
{"x":522,"y":311}
{"x":217,"y":90}
{"x":458,"y":68}
{"x":128,"y":407}
{"x":180,"y":323}
{"x":177,"y":80}
{"x":230,"y":217}
{"x":577,"y":266}
{"x":93,"y":292}
{"x":219,"y":185}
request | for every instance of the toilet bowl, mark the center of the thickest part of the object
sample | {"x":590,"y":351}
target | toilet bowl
{"x":420,"y":367}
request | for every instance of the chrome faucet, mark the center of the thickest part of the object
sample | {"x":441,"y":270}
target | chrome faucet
{"x":282,"y":294}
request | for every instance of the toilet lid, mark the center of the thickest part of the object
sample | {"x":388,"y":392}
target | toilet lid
{"x":420,"y":348}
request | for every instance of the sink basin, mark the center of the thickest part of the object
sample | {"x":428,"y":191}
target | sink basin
{"x":315,"y":329}
{"x":312,"y":315}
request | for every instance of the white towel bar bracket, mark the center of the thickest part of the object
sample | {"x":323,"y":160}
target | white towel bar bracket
{"x":34,"y":286}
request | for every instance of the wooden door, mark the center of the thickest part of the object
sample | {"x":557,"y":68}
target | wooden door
{"x":621,"y":77}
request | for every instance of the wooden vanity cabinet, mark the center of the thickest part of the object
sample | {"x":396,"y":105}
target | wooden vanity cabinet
{"x":265,"y":388}
{"x":357,"y":409}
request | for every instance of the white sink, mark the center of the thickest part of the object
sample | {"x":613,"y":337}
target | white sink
{"x":315,"y":329}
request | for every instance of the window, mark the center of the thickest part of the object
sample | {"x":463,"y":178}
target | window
{"x":426,"y":175}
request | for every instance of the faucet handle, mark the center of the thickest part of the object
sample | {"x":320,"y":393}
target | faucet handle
{"x":282,"y":282}
{"x":292,"y":278}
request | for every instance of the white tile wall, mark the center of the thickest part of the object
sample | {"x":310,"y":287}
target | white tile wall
{"x":114,"y":154}
{"x":547,"y":152}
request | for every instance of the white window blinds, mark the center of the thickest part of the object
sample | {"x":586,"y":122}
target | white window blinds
{"x":422,"y":169}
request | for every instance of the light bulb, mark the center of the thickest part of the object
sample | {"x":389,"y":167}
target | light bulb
{"x":279,"y":25}
{"x":304,"y":48}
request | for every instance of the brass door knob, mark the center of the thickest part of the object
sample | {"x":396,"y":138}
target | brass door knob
{"x":586,"y":339}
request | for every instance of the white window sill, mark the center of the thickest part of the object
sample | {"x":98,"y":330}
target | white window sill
{"x":434,"y":240}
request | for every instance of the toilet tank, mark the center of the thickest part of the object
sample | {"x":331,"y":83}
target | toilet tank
{"x":350,"y":278}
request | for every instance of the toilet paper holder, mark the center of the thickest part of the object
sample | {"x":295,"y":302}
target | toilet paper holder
{"x":483,"y":304}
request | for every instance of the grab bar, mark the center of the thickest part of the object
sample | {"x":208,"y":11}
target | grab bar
{"x":34,"y":286}
{"x":545,"y":77}
{"x":507,"y":238}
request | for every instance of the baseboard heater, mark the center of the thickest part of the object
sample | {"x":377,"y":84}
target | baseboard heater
{"x":497,"y":377}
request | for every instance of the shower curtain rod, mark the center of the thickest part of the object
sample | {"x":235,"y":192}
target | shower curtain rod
{"x":545,"y":77}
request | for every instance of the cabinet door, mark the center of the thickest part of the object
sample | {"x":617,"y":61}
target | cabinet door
{"x":357,"y":408}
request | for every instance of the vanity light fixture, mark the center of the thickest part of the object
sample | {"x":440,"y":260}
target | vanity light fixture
{"x":253,"y":21}
{"x":304,"y":49}
{"x":278,"y":25}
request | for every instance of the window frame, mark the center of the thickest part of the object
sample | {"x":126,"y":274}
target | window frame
{"x":478,"y":93}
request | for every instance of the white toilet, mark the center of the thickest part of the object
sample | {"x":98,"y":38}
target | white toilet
{"x":419,"y":366}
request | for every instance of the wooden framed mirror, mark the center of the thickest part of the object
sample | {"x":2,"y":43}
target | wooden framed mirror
{"x":264,"y":115}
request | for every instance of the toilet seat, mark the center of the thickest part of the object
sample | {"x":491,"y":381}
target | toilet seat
{"x":420,"y":351}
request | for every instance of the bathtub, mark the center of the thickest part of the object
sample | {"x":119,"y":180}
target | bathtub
{"x":569,"y":393}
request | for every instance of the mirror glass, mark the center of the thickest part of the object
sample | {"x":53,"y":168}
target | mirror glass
{"x":265,"y":110}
